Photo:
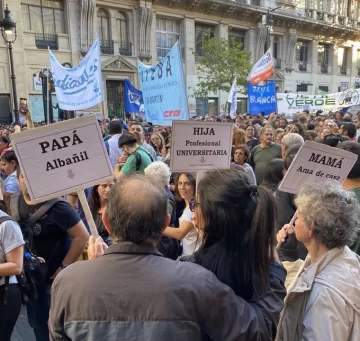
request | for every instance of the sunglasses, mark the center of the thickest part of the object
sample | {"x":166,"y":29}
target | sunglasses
{"x":193,"y":204}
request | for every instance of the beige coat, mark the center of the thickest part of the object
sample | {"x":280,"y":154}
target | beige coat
{"x":323,"y":302}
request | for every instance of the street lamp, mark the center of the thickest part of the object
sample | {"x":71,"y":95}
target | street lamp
{"x":8,"y":32}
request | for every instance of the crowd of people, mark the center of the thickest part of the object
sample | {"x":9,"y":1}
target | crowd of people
{"x":178,"y":258}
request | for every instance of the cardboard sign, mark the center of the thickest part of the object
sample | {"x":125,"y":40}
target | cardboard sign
{"x":62,"y":158}
{"x":199,"y":146}
{"x":317,"y":162}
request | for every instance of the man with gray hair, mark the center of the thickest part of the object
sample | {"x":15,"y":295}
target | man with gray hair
{"x":133,"y":293}
{"x":290,"y":140}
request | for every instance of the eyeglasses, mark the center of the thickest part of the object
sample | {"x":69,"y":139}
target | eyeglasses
{"x":193,"y":204}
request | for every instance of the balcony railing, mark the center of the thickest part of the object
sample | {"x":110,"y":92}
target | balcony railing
{"x":343,"y":70}
{"x":324,"y":68}
{"x":43,"y":41}
{"x":277,"y":63}
{"x":303,"y":66}
{"x":107,"y":46}
{"x":125,"y":49}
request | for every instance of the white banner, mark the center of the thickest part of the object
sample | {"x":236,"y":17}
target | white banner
{"x":263,"y":69}
{"x":81,"y":86}
{"x":232,"y":99}
{"x":293,"y":103}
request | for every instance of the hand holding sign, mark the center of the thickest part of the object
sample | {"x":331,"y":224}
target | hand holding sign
{"x":63,"y":158}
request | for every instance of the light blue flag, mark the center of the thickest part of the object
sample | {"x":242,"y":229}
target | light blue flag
{"x":163,"y":89}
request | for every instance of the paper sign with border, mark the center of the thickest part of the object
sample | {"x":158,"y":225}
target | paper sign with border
{"x":62,"y":158}
{"x":197,"y":146}
{"x":317,"y":162}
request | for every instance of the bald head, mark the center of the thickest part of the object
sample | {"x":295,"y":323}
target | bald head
{"x":137,"y":210}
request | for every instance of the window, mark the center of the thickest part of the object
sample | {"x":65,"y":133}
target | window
{"x":167,"y":34}
{"x":301,"y":87}
{"x":302,"y":51}
{"x":46,"y":19}
{"x":200,"y":31}
{"x":344,"y":62}
{"x":358,"y":61}
{"x":122,"y":27}
{"x":276,"y":52}
{"x":239,"y":35}
{"x":106,"y":45}
{"x":324,"y":88}
{"x":103,"y":24}
{"x":323,"y":54}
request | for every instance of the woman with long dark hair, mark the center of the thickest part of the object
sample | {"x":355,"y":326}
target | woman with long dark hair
{"x":185,"y":186}
{"x":237,"y":224}
{"x":274,"y":173}
{"x":98,"y":200}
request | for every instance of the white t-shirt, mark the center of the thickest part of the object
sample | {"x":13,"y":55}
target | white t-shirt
{"x":10,"y":238}
{"x":190,"y":243}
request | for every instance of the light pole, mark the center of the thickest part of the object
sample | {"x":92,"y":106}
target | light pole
{"x":8,"y":32}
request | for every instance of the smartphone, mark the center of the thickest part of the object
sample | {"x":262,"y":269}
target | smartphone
{"x":23,"y":105}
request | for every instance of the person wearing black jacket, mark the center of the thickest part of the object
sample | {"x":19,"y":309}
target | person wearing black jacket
{"x":291,"y":250}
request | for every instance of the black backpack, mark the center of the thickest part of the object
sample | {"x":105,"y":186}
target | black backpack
{"x":139,"y":160}
{"x":25,"y":280}
{"x":34,"y":271}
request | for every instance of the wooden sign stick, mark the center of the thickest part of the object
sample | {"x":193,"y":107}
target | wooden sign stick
{"x":88,"y":215}
{"x":292,"y":221}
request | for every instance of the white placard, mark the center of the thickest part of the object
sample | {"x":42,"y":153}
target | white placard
{"x":317,"y":162}
{"x":199,"y":146}
{"x":62,"y":158}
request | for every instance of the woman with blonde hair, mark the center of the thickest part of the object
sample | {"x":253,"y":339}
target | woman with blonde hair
{"x":238,"y":137}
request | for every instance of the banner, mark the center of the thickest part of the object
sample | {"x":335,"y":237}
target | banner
{"x":262,"y":98}
{"x":263,"y":69}
{"x":233,"y":99}
{"x":164,"y":90}
{"x":293,"y":103}
{"x":133,"y":99}
{"x":79,"y":87}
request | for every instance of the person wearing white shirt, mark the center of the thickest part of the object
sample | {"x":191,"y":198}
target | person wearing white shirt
{"x":186,"y":232}
{"x":11,"y":263}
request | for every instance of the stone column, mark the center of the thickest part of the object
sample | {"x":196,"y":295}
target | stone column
{"x":187,"y":40}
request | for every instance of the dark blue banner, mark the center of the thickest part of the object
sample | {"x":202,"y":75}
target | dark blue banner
{"x":133,"y":99}
{"x":262,"y":98}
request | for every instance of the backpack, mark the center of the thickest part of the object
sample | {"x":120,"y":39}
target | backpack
{"x":34,"y":271}
{"x":139,"y":160}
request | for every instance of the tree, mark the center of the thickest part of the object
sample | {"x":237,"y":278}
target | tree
{"x":222,"y":60}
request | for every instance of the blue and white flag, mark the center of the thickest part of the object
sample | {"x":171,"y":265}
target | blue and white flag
{"x":133,"y":99}
{"x":262,"y":98}
{"x":163,"y":89}
{"x":81,"y":86}
{"x":233,"y":99}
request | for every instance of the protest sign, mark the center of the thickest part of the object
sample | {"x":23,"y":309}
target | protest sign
{"x":163,"y":89}
{"x":263,"y":69}
{"x":133,"y":99}
{"x":293,"y":103}
{"x":79,"y":87}
{"x":63,"y":157}
{"x":317,"y":162}
{"x":262,"y":98}
{"x":199,"y":146}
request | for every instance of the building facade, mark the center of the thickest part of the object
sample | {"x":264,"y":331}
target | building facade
{"x":314,"y":42}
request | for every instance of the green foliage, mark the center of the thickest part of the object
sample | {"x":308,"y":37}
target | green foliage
{"x":222,"y":60}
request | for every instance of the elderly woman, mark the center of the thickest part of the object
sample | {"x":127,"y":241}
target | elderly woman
{"x":323,"y":302}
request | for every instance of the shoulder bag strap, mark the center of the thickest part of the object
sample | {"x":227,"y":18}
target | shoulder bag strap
{"x":43,"y":209}
{"x":15,"y":206}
